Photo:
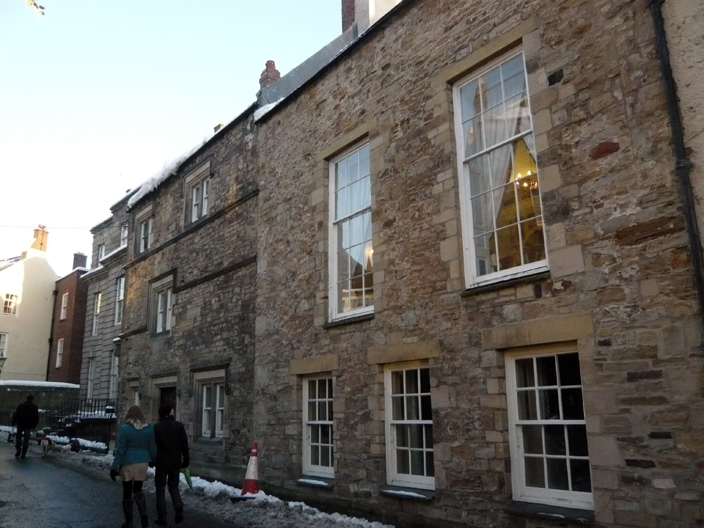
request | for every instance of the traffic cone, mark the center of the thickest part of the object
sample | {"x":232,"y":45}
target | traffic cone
{"x":251,"y":479}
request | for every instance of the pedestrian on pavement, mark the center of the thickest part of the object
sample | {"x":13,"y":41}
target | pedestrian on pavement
{"x":26,"y":418}
{"x":134,"y":451}
{"x":171,"y":456}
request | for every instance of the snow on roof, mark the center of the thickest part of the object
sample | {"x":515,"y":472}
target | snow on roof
{"x":169,"y":168}
{"x":92,"y":271}
{"x":6,"y":263}
{"x":261,"y":112}
{"x":37,"y":384}
{"x":105,"y":257}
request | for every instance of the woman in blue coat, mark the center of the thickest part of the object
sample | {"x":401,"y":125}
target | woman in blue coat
{"x":134,"y":451}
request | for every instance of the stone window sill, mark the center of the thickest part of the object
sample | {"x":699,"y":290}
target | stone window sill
{"x":316,"y":482}
{"x":525,"y":279}
{"x":554,"y":513}
{"x":349,"y":320}
{"x":412,"y":494}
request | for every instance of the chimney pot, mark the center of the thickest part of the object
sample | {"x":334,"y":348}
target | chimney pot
{"x":270,"y":74}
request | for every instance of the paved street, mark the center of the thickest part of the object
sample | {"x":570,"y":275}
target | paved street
{"x":41,"y":493}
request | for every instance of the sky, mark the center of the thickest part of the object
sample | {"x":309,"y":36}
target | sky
{"x":97,"y":95}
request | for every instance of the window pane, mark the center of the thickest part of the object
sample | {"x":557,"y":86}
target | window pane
{"x":416,"y":436}
{"x":417,"y":463}
{"x":483,"y":213}
{"x":569,"y":369}
{"x":325,"y":434}
{"x":557,"y":473}
{"x":322,"y":411}
{"x":505,"y":198}
{"x":312,"y":389}
{"x":581,"y":478}
{"x":472,"y":136}
{"x":429,"y":464}
{"x":526,"y":406}
{"x":532,"y":439}
{"x":495,"y":130}
{"x":572,"y":406}
{"x":549,"y":406}
{"x":479,"y":175}
{"x":412,"y":410}
{"x":315,"y":455}
{"x":513,"y":76}
{"x":577,"y":437}
{"x":411,"y":381}
{"x":207,"y":396}
{"x":428,"y":431}
{"x":315,"y":434}
{"x":426,"y":408}
{"x":524,"y":373}
{"x":402,"y":461}
{"x":485,"y":253}
{"x":330,"y":409}
{"x":535,"y":473}
{"x":424,"y":380}
{"x":397,"y":382}
{"x":533,"y":241}
{"x":397,"y":408}
{"x":312,"y":415}
{"x":469,"y":96}
{"x":555,"y":440}
{"x":402,"y":439}
{"x":509,"y":247}
{"x":325,"y":458}
{"x":547,"y":375}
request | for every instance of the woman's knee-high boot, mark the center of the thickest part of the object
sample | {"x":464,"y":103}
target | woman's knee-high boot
{"x":141,"y":502}
{"x":127,"y":509}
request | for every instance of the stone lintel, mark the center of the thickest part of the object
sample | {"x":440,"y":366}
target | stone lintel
{"x":347,"y":140}
{"x":312,"y":365}
{"x":404,"y":352}
{"x":538,"y":331}
{"x":495,"y":47}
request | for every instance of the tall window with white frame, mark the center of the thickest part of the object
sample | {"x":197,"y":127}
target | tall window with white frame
{"x":409,"y":426}
{"x":212,"y":409}
{"x":64,"y":306}
{"x":547,"y":430}
{"x":351,"y":253}
{"x":97,"y":302}
{"x":199,"y":199}
{"x":124,"y":234}
{"x":163,"y":311}
{"x":10,"y":305}
{"x":119,"y":299}
{"x":101,"y":252}
{"x":146,"y":234}
{"x":317,"y":427}
{"x":59,"y":352}
{"x":500,"y":196}
{"x":3,"y":344}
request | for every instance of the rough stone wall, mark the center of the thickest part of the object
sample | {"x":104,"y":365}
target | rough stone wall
{"x":617,"y":250}
{"x":213,"y":265}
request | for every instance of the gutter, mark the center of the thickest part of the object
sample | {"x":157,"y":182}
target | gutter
{"x":682,"y":163}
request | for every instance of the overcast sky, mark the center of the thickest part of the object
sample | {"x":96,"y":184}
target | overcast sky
{"x":96,"y":95}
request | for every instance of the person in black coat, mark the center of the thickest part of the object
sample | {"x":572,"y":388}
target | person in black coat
{"x":26,"y":418}
{"x":171,"y":456}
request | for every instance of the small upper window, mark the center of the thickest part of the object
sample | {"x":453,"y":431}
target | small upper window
{"x":10,"y":306}
{"x":101,"y":252}
{"x":146,"y":234}
{"x":119,"y":299}
{"x":124,"y":233}
{"x":97,"y":302}
{"x":64,"y":305}
{"x":200,"y":195}
{"x":500,"y":196}
{"x":351,"y":254}
{"x":3,"y":345}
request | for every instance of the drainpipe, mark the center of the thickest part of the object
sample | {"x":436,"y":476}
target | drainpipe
{"x":682,"y":163}
{"x":51,"y":335}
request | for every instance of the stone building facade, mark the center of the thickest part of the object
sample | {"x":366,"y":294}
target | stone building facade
{"x":446,"y":281}
{"x":105,"y":302}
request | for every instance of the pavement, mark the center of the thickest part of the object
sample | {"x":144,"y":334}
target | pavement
{"x":41,"y":492}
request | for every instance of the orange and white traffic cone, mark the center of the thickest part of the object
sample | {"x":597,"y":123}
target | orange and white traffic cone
{"x":251,"y":478}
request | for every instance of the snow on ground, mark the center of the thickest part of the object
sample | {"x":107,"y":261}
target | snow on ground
{"x":259,"y":511}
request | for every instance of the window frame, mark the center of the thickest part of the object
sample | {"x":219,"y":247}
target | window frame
{"x":101,"y":252}
{"x":475,"y":277}
{"x":394,"y":477}
{"x":215,"y":380}
{"x":64,"y":306}
{"x":124,"y":235}
{"x":97,"y":305}
{"x":334,"y":224}
{"x":114,"y":372}
{"x":10,"y":306}
{"x":4,"y":340}
{"x":198,"y":192}
{"x":59,"y":353}
{"x":309,"y":468}
{"x":521,"y":491}
{"x":119,"y":299}
{"x":90,"y":378}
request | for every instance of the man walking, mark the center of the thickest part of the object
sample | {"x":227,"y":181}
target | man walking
{"x":26,"y":418}
{"x":171,"y":456}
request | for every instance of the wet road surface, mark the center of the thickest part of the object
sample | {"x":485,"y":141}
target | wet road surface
{"x":42,"y":493}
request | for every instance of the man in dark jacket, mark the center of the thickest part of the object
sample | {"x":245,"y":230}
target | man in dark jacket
{"x":171,"y":456}
{"x":26,"y":418}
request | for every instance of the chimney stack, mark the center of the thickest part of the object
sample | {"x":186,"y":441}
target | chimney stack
{"x":270,"y":75}
{"x":364,"y":12}
{"x":79,"y":260}
{"x":41,"y":236}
